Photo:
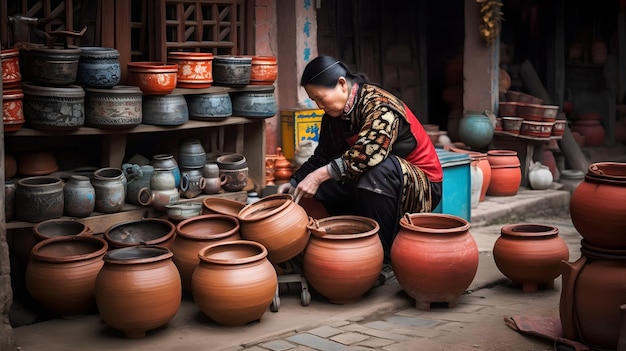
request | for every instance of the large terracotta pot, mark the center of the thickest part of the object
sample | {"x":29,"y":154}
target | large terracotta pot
{"x":198,"y":232}
{"x":61,"y":273}
{"x":592,"y":293}
{"x":591,"y":129}
{"x":434,"y":257}
{"x":145,"y":231}
{"x":530,"y":254}
{"x":138,"y":289}
{"x":596,"y":206}
{"x":277,"y":222}
{"x":506,"y":174}
{"x":234,"y":283}
{"x":343,"y":258}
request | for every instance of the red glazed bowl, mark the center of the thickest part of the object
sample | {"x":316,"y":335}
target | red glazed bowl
{"x":558,"y":128}
{"x":153,"y":78}
{"x":508,"y":109}
{"x":536,"y":129}
{"x":512,"y":124}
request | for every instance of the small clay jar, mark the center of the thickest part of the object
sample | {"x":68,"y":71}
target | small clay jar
{"x":235,"y":168}
{"x":79,"y":196}
{"x":282,"y":167}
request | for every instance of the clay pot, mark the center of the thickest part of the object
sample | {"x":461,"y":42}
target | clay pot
{"x":137,"y":177}
{"x":153,"y":78}
{"x":234,"y":283}
{"x":179,"y":211}
{"x":191,"y":154}
{"x":54,"y":228}
{"x":56,"y":66}
{"x":12,"y":110}
{"x":192,"y":183}
{"x":61,"y":273}
{"x":164,"y":110}
{"x":591,"y":129}
{"x":167,"y":161}
{"x":138,"y":289}
{"x":530,"y":255}
{"x":110,"y":186}
{"x":98,"y":67}
{"x":195,"y":69}
{"x":162,"y":191}
{"x":591,"y":296}
{"x":264,"y":70}
{"x":282,"y":167}
{"x":11,"y":74}
{"x":277,"y":222}
{"x":232,"y":70}
{"x":54,"y":108}
{"x":257,"y":103}
{"x":117,"y":107}
{"x":434,"y":257}
{"x":235,"y":168}
{"x":558,"y":129}
{"x":476,"y":130}
{"x":79,"y":196}
{"x":9,"y":199}
{"x":339,"y":247}
{"x":221,"y":205}
{"x":145,"y":231}
{"x":506,"y":174}
{"x":198,"y":232}
{"x":10,"y":166}
{"x":596,"y":207}
{"x":211,"y":106}
{"x":36,"y":163}
{"x":39,"y":198}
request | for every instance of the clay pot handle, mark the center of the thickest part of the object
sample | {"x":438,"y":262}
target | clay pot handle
{"x":298,"y":198}
{"x":314,"y":222}
{"x":594,"y":169}
{"x":407,"y":217}
{"x":570,"y":273}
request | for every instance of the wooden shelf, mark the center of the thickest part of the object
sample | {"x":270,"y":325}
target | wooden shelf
{"x":526,"y":137}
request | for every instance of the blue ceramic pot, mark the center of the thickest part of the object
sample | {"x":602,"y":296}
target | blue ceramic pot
{"x":475,"y":130}
{"x":261,"y":103}
{"x":164,"y":110}
{"x":209,"y":106}
{"x":98,"y":67}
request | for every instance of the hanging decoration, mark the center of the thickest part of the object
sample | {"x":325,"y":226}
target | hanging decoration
{"x":490,"y":18}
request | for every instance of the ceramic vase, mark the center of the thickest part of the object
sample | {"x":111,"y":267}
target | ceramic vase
{"x":198,"y":232}
{"x":110,"y":186}
{"x":79,"y":196}
{"x":39,"y":198}
{"x":195,"y":69}
{"x":167,"y":161}
{"x":596,"y":207}
{"x":279,"y":223}
{"x":476,"y":130}
{"x":191,"y":154}
{"x":530,"y":255}
{"x":434,"y":257}
{"x":145,"y":231}
{"x":539,"y":176}
{"x":343,"y":258}
{"x":138,"y":289}
{"x":234,"y":283}
{"x":506,"y":174}
{"x":54,"y":66}
{"x":61,"y":273}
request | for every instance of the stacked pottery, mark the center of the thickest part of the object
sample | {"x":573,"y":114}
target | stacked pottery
{"x":506,"y":174}
{"x":264,"y":70}
{"x":195,"y":69}
{"x":232,"y":70}
{"x":11,"y":74}
{"x":98,"y":67}
{"x":112,"y":108}
{"x":153,"y":78}
{"x":434,"y":257}
{"x":191,"y":159}
{"x":12,"y":110}
{"x":593,"y":288}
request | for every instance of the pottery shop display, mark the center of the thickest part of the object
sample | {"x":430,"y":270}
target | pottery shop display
{"x":279,"y":223}
{"x":209,"y":106}
{"x":145,"y":231}
{"x":434,"y":257}
{"x":476,"y":130}
{"x":231,"y":70}
{"x":343,"y":258}
{"x":234,"y":283}
{"x":167,"y":161}
{"x":539,"y":176}
{"x":54,"y":228}
{"x":110,"y":186}
{"x":264,"y":70}
{"x":12,"y":110}
{"x":137,"y":177}
{"x":116,"y":107}
{"x":39,"y":198}
{"x":54,"y":66}
{"x":235,"y":168}
{"x":195,"y":69}
{"x":221,"y":205}
{"x":506,"y":174}
{"x":530,"y":255}
{"x":61,"y":273}
{"x":79,"y":196}
{"x":153,"y":78}
{"x":191,"y":154}
{"x":596,"y":206}
{"x":591,"y":296}
{"x":198,"y":232}
{"x":54,"y":108}
{"x":162,"y":190}
{"x":164,"y":110}
{"x":98,"y":67}
{"x":258,"y":103}
{"x":138,"y":289}
{"x":11,"y":74}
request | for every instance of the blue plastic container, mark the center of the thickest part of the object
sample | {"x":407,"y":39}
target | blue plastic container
{"x":457,"y":185}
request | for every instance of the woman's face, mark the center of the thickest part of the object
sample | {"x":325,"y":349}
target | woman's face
{"x":331,"y":100}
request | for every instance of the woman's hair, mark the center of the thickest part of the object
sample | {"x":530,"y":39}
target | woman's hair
{"x":325,"y":71}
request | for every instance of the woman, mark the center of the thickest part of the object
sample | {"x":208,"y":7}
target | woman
{"x":374,"y":158}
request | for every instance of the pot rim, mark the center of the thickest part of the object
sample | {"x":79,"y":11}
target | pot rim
{"x":527,"y":230}
{"x":37,"y":229}
{"x":261,"y":252}
{"x":595,"y":252}
{"x":159,"y":240}
{"x":265,"y":207}
{"x":51,"y":181}
{"x":189,"y":56}
{"x":235,"y":204}
{"x":181,"y":231}
{"x":314,"y":227}
{"x":104,"y":246}
{"x":407,"y":222}
{"x":159,"y":253}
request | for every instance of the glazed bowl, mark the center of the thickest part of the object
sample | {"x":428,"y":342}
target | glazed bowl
{"x":512,"y":124}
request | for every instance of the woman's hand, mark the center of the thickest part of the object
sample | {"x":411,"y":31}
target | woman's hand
{"x":285,"y":188}
{"x":309,"y":185}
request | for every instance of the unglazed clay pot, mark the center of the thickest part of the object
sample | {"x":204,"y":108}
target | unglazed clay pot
{"x":138,"y":289}
{"x":61,"y":273}
{"x":483,"y":164}
{"x":222,"y":205}
{"x":506,"y":174}
{"x":277,"y":222}
{"x":530,"y":255}
{"x":591,"y":296}
{"x":596,"y":205}
{"x":198,"y":232}
{"x":434,"y":257}
{"x":145,"y":231}
{"x":54,"y":228}
{"x":234,"y":283}
{"x":343,"y":258}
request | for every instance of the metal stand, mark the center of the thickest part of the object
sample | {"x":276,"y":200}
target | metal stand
{"x":305,"y":295}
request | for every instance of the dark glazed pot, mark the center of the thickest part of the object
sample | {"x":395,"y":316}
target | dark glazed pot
{"x":260,"y":103}
{"x":165,"y":110}
{"x":54,"y":108}
{"x":235,"y":168}
{"x":55,"y":66}
{"x":39,"y":198}
{"x":61,"y":273}
{"x":145,"y":231}
{"x":234,"y":283}
{"x":232,"y":70}
{"x":209,"y":106}
{"x":117,"y":107}
{"x":434,"y":257}
{"x":138,"y":289}
{"x":338,"y":247}
{"x":110,"y":186}
{"x":98,"y":67}
{"x":79,"y":196}
{"x":530,"y":255}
